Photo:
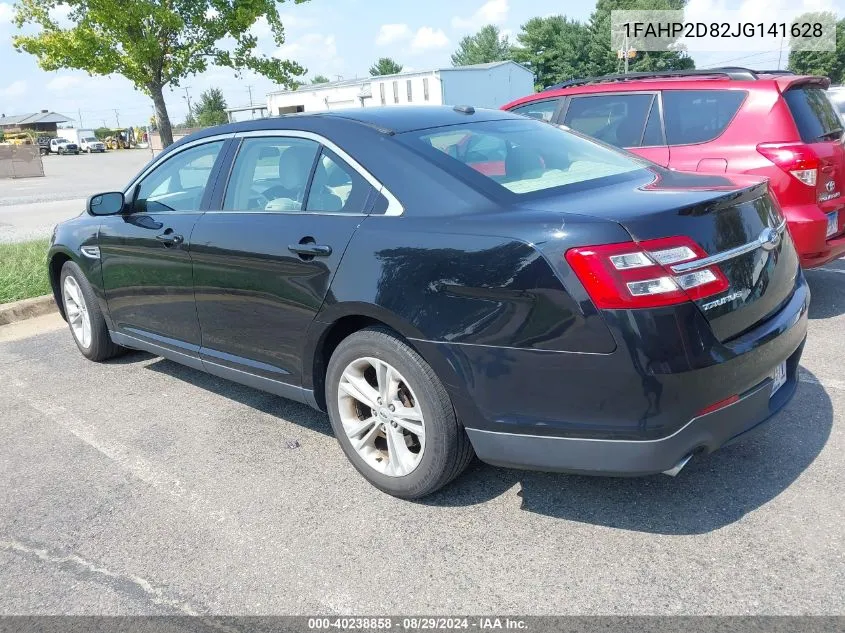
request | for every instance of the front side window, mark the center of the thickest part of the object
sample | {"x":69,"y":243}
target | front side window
{"x":698,"y":116}
{"x":617,"y":119}
{"x":521,"y":156}
{"x":179,"y":183}
{"x":271,"y":174}
{"x":337,"y":187}
{"x":542,"y":110}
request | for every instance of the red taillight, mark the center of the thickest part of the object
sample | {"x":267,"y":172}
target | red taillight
{"x":718,"y":405}
{"x":796,"y":159}
{"x":638,"y":274}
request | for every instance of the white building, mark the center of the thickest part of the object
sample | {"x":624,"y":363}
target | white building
{"x":482,"y":85}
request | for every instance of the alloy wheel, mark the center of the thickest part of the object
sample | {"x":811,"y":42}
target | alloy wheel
{"x":381,"y":416}
{"x":77,"y":311}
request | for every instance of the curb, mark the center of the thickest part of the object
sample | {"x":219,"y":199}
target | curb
{"x":26,"y":309}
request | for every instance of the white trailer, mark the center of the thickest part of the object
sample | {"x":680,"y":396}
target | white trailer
{"x":86,"y":140}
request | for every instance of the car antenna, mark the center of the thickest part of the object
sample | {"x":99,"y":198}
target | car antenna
{"x":466,"y":109}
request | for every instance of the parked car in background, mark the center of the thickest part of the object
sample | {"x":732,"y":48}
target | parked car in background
{"x":62,"y":145}
{"x":837,"y":98}
{"x":528,"y":294}
{"x":727,"y":120}
{"x":86,"y":140}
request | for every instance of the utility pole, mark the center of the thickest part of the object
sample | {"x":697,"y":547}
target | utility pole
{"x":626,"y":53}
{"x":104,"y":123}
{"x":249,"y":88}
{"x":117,"y":116}
{"x":79,"y":112}
{"x":188,"y":99}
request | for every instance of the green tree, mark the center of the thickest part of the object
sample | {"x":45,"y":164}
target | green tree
{"x":554,"y":48}
{"x":102,"y":132}
{"x":826,"y":63}
{"x":602,"y":60}
{"x":488,"y":45}
{"x":211,"y":108}
{"x":385,"y":66}
{"x":153,"y":43}
{"x":320,"y":79}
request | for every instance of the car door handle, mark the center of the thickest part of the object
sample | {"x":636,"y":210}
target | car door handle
{"x":169,"y":238}
{"x":312,"y":250}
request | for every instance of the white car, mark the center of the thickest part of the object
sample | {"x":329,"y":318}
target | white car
{"x":63,"y":146}
{"x":836,"y":94}
{"x":91,"y":144}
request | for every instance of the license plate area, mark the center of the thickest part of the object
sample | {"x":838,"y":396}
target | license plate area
{"x":832,"y":223}
{"x":778,"y":377}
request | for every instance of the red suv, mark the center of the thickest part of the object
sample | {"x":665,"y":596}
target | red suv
{"x":768,"y":123}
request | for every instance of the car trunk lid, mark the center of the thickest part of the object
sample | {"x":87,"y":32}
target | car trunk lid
{"x":739,"y":229}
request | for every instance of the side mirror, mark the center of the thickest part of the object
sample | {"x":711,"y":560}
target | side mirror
{"x":109,"y":203}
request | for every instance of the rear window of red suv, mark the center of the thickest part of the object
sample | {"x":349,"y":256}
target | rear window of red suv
{"x":813,"y":114}
{"x":698,"y":116}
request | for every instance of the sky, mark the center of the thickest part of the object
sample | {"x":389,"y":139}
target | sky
{"x":335,"y":38}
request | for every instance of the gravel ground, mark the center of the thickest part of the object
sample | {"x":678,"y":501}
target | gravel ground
{"x":141,"y":486}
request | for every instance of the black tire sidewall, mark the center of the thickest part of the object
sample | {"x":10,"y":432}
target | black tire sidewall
{"x":440,"y":425}
{"x":101,"y":346}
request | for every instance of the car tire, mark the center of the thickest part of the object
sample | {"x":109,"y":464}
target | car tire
{"x":83,"y":315}
{"x":434,"y":450}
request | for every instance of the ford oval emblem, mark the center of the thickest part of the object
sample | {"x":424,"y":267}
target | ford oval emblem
{"x":769,"y":239}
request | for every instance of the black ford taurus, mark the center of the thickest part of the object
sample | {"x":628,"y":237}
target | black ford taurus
{"x":447,"y":282}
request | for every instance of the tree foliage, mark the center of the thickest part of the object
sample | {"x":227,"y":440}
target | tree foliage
{"x":488,"y":45}
{"x":320,"y":79}
{"x":153,"y":43}
{"x":385,"y":66}
{"x":826,"y":63}
{"x":211,"y":108}
{"x":558,"y":48}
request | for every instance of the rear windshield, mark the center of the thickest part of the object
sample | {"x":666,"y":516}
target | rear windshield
{"x":813,"y":114}
{"x":521,"y":156}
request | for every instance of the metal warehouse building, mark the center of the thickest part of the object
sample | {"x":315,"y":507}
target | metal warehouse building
{"x":481,"y":85}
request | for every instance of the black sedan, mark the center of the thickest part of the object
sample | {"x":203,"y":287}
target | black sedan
{"x":447,"y":282}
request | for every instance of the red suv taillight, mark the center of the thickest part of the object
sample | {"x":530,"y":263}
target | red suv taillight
{"x":797,"y":159}
{"x":638,"y":274}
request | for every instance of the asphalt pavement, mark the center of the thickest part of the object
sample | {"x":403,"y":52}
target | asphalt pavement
{"x":140,"y":486}
{"x":31,"y":207}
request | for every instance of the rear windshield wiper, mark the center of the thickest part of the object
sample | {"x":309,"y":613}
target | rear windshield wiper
{"x":832,"y":134}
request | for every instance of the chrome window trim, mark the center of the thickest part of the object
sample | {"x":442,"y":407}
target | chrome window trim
{"x":162,"y":158}
{"x":731,"y":253}
{"x":394,"y":207}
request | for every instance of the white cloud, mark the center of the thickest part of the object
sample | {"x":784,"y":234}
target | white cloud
{"x":295,"y":20}
{"x":427,"y":38}
{"x":15,"y":89}
{"x":5,"y":14}
{"x":60,"y":13}
{"x":389,"y":33}
{"x":63,"y":83}
{"x":491,"y":12}
{"x":261,"y":29}
{"x":315,"y":51}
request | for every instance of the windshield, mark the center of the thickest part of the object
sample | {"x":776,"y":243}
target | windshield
{"x":89,"y":139}
{"x":62,"y":140}
{"x":522,"y":156}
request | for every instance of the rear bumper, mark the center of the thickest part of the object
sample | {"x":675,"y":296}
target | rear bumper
{"x":634,"y":411}
{"x":808,"y":227}
{"x":705,"y":434}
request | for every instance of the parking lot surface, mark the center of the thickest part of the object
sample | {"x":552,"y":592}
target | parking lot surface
{"x":141,"y":486}
{"x":30,"y":207}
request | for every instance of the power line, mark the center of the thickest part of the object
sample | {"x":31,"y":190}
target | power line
{"x":736,"y":59}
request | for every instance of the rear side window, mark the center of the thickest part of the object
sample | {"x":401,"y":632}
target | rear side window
{"x":617,"y":119}
{"x":542,"y":110}
{"x":521,"y":156}
{"x":698,"y":116}
{"x":814,"y":115}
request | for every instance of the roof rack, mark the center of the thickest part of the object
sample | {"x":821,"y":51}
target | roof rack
{"x":735,"y":73}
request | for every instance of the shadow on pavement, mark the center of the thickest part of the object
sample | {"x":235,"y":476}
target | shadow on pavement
{"x":268,"y":403}
{"x":711,"y":492}
{"x":828,"y":289}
